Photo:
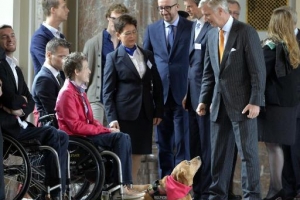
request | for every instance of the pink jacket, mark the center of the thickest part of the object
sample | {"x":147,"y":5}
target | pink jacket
{"x":71,"y":115}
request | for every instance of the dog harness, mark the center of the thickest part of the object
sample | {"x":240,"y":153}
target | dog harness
{"x":174,"y":190}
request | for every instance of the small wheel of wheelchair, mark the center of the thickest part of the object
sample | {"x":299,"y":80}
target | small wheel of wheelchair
{"x":86,"y":169}
{"x":17,"y":169}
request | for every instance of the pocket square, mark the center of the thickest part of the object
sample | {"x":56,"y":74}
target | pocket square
{"x":233,"y":49}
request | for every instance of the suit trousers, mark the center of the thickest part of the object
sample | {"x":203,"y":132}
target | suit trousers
{"x":172,"y":136}
{"x":120,"y":144}
{"x":291,"y":173}
{"x":224,"y":135}
{"x":200,"y":126}
{"x":2,"y":186}
{"x":57,"y":139}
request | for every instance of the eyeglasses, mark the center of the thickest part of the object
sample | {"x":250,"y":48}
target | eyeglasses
{"x":166,"y":8}
{"x":234,"y":13}
{"x":112,"y":18}
{"x":130,"y":32}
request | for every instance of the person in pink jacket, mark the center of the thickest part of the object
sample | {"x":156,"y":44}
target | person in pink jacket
{"x":75,"y":116}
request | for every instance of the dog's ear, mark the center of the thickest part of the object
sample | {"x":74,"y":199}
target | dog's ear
{"x":180,"y":176}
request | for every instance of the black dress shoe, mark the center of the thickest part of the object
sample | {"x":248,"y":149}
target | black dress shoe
{"x":232,"y":196}
{"x":278,"y":195}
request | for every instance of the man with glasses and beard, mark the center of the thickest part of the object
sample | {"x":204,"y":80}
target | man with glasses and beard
{"x":169,"y":40}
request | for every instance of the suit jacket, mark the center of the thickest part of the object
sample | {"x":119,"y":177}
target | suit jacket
{"x":93,"y":50}
{"x":38,"y":44}
{"x":76,"y":122}
{"x":298,"y":36}
{"x":45,"y":90}
{"x":173,"y":67}
{"x":196,"y":66}
{"x":12,"y":98}
{"x":125,"y":93}
{"x":240,"y":78}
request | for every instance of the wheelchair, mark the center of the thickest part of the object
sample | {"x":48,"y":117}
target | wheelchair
{"x":23,"y":169}
{"x":91,"y":168}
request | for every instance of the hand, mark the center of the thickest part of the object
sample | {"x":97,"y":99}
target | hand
{"x":18,"y":112}
{"x":184,"y":102}
{"x":201,"y":109}
{"x":156,"y":121}
{"x":114,"y":130}
{"x":114,"y":124}
{"x":253,"y":111}
{"x":25,"y":99}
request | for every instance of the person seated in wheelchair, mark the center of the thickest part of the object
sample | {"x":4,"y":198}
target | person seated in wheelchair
{"x":2,"y":191}
{"x":17,"y":104}
{"x":75,"y":116}
{"x":47,"y":82}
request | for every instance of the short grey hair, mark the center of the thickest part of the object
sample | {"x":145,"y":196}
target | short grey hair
{"x":214,"y":4}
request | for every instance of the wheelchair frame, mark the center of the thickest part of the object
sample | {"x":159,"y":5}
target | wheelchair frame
{"x":24,"y":169}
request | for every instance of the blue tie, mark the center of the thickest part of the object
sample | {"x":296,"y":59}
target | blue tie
{"x":170,"y":37}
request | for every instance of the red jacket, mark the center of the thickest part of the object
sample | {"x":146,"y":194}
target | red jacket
{"x":71,"y":114}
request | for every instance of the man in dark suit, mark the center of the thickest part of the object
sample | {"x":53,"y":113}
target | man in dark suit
{"x":17,"y":104}
{"x":233,"y":87}
{"x":56,"y":12}
{"x":169,"y":40}
{"x":48,"y":82}
{"x":2,"y":186}
{"x":199,"y":126}
{"x":290,"y":172}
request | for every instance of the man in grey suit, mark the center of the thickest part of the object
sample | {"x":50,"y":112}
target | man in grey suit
{"x":233,"y":86}
{"x":96,"y":50}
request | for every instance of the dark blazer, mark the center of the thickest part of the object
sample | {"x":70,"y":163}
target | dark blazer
{"x":45,"y":90}
{"x":235,"y":80}
{"x":173,"y":67}
{"x":38,"y":44}
{"x":12,"y":98}
{"x":196,"y":66}
{"x":124,"y":92}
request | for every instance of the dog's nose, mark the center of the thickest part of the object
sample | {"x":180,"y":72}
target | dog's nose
{"x":198,"y":157}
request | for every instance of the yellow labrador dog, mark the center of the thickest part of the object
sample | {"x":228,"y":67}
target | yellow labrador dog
{"x":174,"y":187}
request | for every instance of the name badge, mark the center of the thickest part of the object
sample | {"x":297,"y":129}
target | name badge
{"x":149,"y":64}
{"x":197,"y":46}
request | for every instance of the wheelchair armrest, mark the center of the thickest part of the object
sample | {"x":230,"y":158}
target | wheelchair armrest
{"x":47,"y":118}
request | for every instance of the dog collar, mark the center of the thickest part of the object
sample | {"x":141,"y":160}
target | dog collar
{"x":176,"y":190}
{"x":155,"y":189}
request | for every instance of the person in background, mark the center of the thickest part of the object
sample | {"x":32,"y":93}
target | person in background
{"x":290,"y":173}
{"x":96,"y":50}
{"x":47,"y":82}
{"x":169,"y":40}
{"x":234,"y":8}
{"x":2,"y":185}
{"x":132,"y":91}
{"x":81,"y":122}
{"x":56,"y":12}
{"x":199,"y":126}
{"x":17,"y":104}
{"x":279,"y":121}
{"x":233,"y":99}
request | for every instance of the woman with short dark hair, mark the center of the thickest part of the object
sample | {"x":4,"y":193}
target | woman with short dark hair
{"x":132,"y":91}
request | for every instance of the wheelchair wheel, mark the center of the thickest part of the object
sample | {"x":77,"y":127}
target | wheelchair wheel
{"x":17,"y":169}
{"x":86,"y":169}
